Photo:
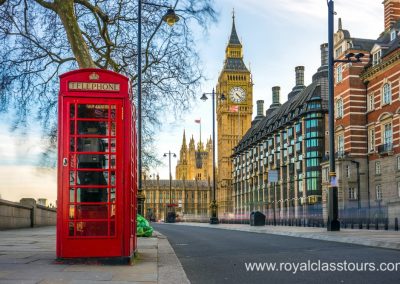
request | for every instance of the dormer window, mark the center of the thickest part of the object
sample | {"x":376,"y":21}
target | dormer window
{"x":376,"y":57}
{"x":338,"y":51}
{"x":392,"y":35}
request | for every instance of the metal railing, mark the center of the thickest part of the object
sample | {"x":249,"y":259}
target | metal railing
{"x":385,"y":148}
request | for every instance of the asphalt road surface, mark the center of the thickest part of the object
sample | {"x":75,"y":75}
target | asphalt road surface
{"x":221,"y":256}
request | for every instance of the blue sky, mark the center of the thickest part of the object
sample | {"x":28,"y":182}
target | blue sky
{"x":277,"y":36}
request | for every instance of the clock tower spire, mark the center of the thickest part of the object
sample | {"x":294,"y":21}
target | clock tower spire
{"x":233,"y":115}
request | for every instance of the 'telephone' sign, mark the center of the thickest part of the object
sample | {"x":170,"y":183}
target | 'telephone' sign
{"x":93,"y":86}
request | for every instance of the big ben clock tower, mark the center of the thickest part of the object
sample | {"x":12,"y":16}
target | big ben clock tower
{"x":234,"y":116}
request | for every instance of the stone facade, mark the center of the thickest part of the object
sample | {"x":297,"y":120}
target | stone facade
{"x":191,"y":199}
{"x":234,"y":116}
{"x":195,"y":163}
{"x":25,"y":214}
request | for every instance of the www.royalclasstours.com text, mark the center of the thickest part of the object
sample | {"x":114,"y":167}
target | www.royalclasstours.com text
{"x":312,"y":266}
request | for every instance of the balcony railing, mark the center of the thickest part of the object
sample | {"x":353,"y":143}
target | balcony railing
{"x":340,"y":154}
{"x":385,"y":148}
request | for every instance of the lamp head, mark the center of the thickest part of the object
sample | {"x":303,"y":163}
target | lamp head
{"x":170,"y":17}
{"x":222,"y":97}
{"x":165,"y":155}
{"x":349,"y":55}
{"x":204,"y":97}
{"x":358,"y":56}
{"x":174,"y":155}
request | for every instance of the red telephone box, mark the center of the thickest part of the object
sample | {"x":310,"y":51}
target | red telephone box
{"x":96,"y":209}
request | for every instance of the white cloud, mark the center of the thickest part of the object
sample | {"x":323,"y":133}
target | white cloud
{"x":16,"y":148}
{"x":18,"y":182}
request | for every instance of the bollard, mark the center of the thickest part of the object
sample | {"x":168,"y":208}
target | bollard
{"x":376,"y":224}
{"x":368,"y":221}
{"x":396,"y":224}
{"x":386,"y":224}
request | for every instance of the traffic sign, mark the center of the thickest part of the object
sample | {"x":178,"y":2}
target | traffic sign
{"x":273,"y":176}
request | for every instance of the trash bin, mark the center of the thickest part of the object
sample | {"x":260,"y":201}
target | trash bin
{"x":257,"y":218}
{"x":171,"y":217}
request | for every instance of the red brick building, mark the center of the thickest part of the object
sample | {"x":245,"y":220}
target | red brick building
{"x":367,"y":126}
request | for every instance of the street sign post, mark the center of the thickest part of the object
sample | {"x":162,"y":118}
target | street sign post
{"x":273,"y":178}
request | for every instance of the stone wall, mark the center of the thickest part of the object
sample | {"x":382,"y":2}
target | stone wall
{"x":25,"y":214}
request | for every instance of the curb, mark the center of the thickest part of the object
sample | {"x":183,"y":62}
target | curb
{"x":323,"y":236}
{"x":170,"y":269}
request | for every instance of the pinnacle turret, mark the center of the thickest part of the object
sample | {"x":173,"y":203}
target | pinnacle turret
{"x":234,"y":39}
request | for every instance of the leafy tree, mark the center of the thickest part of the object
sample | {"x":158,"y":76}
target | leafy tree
{"x":40,"y":39}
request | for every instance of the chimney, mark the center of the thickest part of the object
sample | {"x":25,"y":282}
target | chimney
{"x":392,"y":12}
{"x":299,"y":75}
{"x":260,"y":108}
{"x":324,"y":54}
{"x":275,"y":95}
{"x":260,"y":112}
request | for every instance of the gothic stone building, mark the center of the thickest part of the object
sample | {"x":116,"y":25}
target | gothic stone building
{"x":195,"y":163}
{"x":236,"y":84}
{"x":192,"y":199}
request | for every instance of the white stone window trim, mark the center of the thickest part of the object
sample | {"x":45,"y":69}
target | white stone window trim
{"x":339,"y":73}
{"x":398,"y":163}
{"x":371,"y":140}
{"x":352,"y":193}
{"x":387,"y":128}
{"x":378,"y":189}
{"x":348,"y":171}
{"x":370,"y":102}
{"x":378,"y":169}
{"x":339,"y":108}
{"x":383,"y":96}
{"x":376,"y":57}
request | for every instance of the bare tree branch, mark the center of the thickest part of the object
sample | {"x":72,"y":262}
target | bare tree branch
{"x":41,"y":39}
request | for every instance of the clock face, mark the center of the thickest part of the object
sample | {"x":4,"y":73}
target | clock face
{"x":237,"y":94}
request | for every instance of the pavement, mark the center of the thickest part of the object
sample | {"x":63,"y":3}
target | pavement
{"x":28,"y":255}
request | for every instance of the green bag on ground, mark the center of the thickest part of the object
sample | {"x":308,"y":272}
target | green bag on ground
{"x":143,"y":228}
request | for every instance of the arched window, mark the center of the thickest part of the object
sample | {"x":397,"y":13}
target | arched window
{"x":339,"y":108}
{"x":387,"y":94}
{"x":339,"y":71}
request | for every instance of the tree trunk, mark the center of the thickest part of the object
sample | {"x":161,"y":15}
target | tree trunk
{"x":65,"y":10}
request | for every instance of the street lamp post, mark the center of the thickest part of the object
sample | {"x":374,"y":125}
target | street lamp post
{"x":213,"y":205}
{"x":170,"y":184}
{"x":170,"y":18}
{"x":333,"y":222}
{"x":358,"y":183}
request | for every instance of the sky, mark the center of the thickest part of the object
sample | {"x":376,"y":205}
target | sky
{"x":276,"y":36}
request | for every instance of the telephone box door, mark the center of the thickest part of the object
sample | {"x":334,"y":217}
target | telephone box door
{"x":92,"y":177}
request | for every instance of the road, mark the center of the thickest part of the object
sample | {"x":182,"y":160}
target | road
{"x":220,"y":256}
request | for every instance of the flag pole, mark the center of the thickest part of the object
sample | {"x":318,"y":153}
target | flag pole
{"x":240,"y":130}
{"x":200,"y":131}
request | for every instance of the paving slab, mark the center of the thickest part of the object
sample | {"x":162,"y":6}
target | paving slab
{"x":28,"y":256}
